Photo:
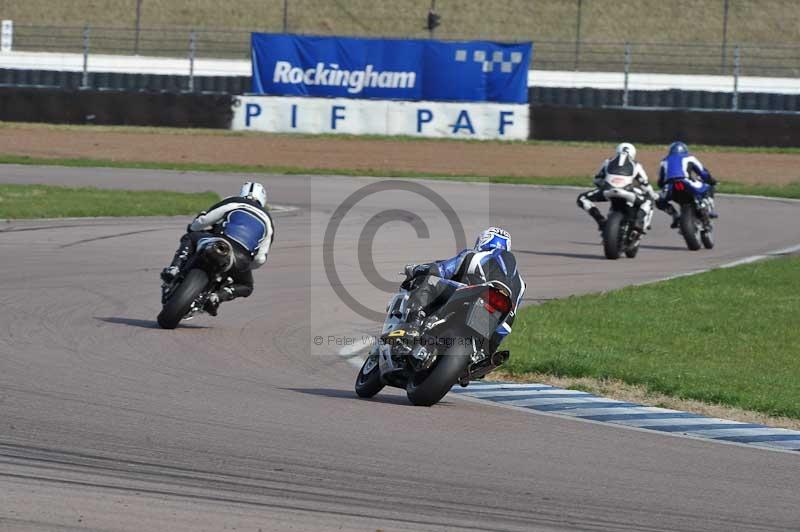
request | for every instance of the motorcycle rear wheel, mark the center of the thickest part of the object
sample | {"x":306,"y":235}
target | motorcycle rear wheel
{"x":688,"y":226}
{"x":429,"y":388}
{"x":179,"y":303}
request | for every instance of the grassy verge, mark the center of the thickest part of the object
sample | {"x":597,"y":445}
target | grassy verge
{"x":40,"y":201}
{"x":791,"y":190}
{"x":728,"y":337}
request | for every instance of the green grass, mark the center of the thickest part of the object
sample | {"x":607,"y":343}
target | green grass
{"x":41,"y":201}
{"x":728,"y":336}
{"x":786,"y":191}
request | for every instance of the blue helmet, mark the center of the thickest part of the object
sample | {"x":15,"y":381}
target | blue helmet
{"x":493,"y":238}
{"x":678,"y":148}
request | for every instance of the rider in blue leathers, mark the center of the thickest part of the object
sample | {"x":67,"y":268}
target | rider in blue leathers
{"x":679,"y":163}
{"x":489,"y":260}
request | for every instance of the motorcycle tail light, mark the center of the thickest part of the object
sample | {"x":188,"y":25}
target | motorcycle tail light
{"x":494,"y":300}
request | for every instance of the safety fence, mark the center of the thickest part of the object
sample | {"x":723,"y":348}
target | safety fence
{"x":706,"y":58}
{"x":191,"y":51}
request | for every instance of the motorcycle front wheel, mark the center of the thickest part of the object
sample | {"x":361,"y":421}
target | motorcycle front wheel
{"x":707,"y":237}
{"x":368,"y":381}
{"x":612,"y":235}
{"x":179,"y":303}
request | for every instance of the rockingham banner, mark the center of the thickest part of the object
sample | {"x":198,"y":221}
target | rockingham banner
{"x":390,"y":69}
{"x":278,"y":114}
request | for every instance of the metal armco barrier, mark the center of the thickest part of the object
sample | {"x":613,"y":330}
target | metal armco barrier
{"x":115,"y":108}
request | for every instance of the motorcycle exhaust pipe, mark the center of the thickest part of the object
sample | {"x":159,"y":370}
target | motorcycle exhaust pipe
{"x":499,"y":358}
{"x":221,"y":248}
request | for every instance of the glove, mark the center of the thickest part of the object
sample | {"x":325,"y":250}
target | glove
{"x":410,"y":271}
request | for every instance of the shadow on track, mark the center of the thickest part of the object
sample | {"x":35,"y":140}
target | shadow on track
{"x":562,"y":254}
{"x":643,"y":246}
{"x":143,"y":324}
{"x":350,"y":394}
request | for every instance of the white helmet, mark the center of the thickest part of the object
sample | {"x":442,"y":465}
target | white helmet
{"x":255,"y":191}
{"x":627,"y":147}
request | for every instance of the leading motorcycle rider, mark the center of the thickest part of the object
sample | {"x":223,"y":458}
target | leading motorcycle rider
{"x":489,"y":260}
{"x":680,"y":164}
{"x":244,"y":222}
{"x":623,"y":164}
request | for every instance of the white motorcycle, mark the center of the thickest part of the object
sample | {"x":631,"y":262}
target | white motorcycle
{"x":619,"y":234}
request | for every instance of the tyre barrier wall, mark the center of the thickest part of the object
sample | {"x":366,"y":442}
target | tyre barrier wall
{"x":673,"y":99}
{"x":724,"y":128}
{"x":547,"y":122}
{"x":116,"y":108}
{"x":123,"y":81}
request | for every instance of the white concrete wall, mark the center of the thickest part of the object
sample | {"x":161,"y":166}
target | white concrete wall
{"x":541,"y":78}
{"x":278,"y":114}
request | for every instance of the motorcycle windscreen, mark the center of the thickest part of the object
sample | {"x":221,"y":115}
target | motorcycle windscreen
{"x":245,"y":228}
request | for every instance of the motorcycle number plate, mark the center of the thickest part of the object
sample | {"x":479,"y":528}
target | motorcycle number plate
{"x":481,"y":320}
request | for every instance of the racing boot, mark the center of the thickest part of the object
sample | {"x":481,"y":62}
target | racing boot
{"x":638,"y":225}
{"x":712,"y":211}
{"x":212,"y":304}
{"x":215,"y":299}
{"x":595,"y":213}
{"x":169,"y":273}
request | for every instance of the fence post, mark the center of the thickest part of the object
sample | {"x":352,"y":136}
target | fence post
{"x":627,"y":74}
{"x":138,"y":27}
{"x":433,"y":19}
{"x":85,"y":77}
{"x":725,"y":8}
{"x":737,"y":64}
{"x":578,"y":35}
{"x":192,"y":52}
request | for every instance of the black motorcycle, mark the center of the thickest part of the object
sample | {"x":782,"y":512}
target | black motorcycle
{"x":452,"y":344}
{"x":201,"y":275}
{"x":695,"y":220}
{"x":619,"y":235}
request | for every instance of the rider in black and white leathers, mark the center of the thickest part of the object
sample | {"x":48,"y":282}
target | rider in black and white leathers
{"x":622,"y":164}
{"x":245,"y":223}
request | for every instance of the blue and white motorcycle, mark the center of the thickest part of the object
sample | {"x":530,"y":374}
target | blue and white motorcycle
{"x":695,"y":207}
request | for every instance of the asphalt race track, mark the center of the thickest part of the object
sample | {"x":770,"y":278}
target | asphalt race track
{"x":242,"y":422}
